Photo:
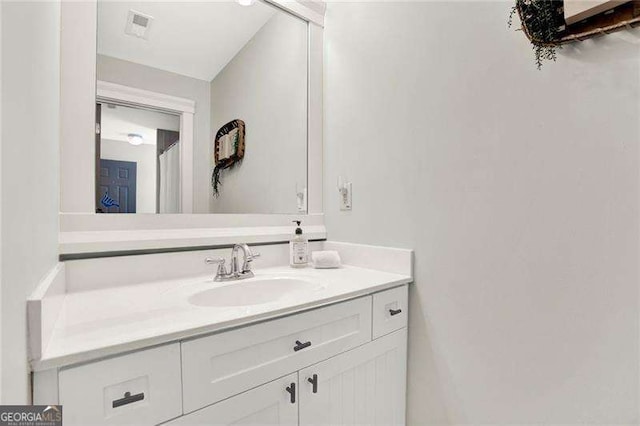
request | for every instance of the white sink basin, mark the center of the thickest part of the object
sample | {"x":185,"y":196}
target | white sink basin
{"x":255,"y":291}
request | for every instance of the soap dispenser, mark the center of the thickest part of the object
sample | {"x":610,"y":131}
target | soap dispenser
{"x":298,"y":248}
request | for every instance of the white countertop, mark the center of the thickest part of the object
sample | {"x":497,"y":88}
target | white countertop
{"x":98,"y":323}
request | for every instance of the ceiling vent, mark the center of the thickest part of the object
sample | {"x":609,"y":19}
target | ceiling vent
{"x":138,"y":24}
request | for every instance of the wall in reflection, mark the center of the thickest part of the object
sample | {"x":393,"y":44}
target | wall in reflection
{"x":263,"y":85}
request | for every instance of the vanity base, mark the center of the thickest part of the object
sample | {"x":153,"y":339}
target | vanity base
{"x":340,"y":364}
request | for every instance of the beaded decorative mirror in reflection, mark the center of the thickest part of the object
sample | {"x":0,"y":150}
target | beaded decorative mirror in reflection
{"x":228,"y":148}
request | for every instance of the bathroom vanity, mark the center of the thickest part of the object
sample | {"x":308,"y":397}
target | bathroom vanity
{"x":131,"y":328}
{"x":284,"y":347}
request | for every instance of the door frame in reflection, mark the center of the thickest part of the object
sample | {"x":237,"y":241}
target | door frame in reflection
{"x":184,"y":108}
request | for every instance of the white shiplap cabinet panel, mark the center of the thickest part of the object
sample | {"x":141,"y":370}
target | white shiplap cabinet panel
{"x":269,"y":404}
{"x":365,"y":386}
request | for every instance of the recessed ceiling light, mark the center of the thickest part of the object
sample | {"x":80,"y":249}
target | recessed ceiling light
{"x":134,"y":139}
{"x":245,"y":2}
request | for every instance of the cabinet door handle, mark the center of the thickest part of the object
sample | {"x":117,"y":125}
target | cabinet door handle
{"x":127,"y":399}
{"x":393,"y":312}
{"x":314,"y":382}
{"x":299,"y":345}
{"x":292,"y":392}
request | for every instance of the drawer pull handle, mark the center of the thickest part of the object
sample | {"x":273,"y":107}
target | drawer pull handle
{"x":393,"y":312}
{"x":127,"y":399}
{"x":314,"y":381}
{"x":292,"y":392}
{"x":299,"y":345}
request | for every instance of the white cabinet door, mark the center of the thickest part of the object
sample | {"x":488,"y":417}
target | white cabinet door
{"x":274,"y":403}
{"x":364,"y":386}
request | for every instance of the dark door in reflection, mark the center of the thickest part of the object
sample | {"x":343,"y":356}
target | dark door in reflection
{"x":117,"y":188}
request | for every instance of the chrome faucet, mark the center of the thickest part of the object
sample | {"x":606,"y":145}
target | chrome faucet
{"x":235,"y":273}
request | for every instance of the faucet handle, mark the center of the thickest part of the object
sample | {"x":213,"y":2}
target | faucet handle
{"x":253,"y":256}
{"x":222,"y":270}
{"x":249,"y":256}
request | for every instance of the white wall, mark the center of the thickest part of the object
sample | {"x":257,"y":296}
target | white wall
{"x":518,"y":190}
{"x":147,"y":78}
{"x":266,"y":86}
{"x":145,"y":157}
{"x":77,"y":106}
{"x":29,"y":174}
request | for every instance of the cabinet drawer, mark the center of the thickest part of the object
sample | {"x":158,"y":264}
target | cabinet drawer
{"x":390,"y":310}
{"x":225,"y":364}
{"x":142,"y":388}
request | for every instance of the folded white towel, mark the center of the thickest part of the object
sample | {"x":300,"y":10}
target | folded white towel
{"x":325,"y":259}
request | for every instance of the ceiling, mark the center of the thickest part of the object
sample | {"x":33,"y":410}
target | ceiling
{"x":196,"y":39}
{"x":116,"y":123}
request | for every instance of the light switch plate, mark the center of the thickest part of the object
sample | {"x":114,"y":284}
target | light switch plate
{"x":345,"y":197}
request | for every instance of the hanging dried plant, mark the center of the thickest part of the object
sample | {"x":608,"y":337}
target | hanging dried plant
{"x":542,"y":21}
